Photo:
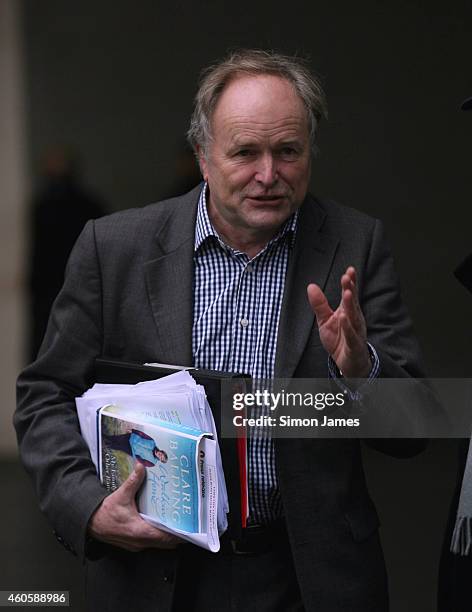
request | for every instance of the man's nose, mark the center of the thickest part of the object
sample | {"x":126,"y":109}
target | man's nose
{"x":266,"y":172}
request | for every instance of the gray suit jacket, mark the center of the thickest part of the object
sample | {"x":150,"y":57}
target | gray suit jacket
{"x":128,"y":295}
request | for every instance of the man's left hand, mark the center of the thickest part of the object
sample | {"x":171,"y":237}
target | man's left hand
{"x":343,"y":331}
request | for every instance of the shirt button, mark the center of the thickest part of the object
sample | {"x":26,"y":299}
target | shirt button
{"x":244,"y":322}
{"x":249,"y":268}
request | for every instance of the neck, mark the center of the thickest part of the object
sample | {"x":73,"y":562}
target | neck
{"x":250,"y":241}
{"x":247,"y":241}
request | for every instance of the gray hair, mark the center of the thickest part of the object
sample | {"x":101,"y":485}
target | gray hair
{"x":214,"y":79}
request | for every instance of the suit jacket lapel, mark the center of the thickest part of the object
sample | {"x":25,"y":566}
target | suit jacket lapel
{"x":310,"y":262}
{"x":169,"y":279}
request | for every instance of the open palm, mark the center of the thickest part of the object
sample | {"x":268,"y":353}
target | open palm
{"x":343,"y":331}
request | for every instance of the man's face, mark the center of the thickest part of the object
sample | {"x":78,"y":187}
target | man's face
{"x":258,"y":161}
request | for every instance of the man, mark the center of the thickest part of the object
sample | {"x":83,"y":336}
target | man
{"x":60,"y":209}
{"x":455,"y":570}
{"x":218,"y":278}
{"x":138,"y":445}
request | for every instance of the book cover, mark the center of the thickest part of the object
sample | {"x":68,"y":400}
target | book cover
{"x":171,"y":493}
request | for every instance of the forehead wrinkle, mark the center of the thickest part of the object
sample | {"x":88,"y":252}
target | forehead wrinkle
{"x":241,"y":128}
{"x":260,"y":105}
{"x":251,"y":121}
{"x":248,"y":138}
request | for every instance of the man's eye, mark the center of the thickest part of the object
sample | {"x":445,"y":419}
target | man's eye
{"x":244,"y":153}
{"x":288,"y":152}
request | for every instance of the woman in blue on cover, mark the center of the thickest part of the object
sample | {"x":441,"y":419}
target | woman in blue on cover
{"x":137,"y":444}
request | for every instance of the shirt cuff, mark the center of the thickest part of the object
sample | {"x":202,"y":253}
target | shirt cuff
{"x":336,"y":374}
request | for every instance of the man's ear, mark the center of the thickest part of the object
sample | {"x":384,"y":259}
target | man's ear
{"x":202,"y":162}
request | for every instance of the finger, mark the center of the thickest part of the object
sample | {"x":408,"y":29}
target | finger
{"x":127,"y":491}
{"x":347,"y":284}
{"x":165,"y":540}
{"x":351,"y":309}
{"x":319,"y":304}
{"x":142,"y":530}
{"x":141,"y":535}
{"x":351,"y":335}
{"x":350,"y":299}
{"x":349,"y":280}
{"x":351,"y":272}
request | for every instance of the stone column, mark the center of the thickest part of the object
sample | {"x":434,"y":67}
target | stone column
{"x":13,"y":196}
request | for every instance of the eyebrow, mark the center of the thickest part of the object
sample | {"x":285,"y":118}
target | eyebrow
{"x":243,"y":142}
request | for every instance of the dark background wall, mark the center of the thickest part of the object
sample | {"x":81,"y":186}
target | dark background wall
{"x":116,"y":80}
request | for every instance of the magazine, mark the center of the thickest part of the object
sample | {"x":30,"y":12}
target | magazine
{"x":167,"y":426}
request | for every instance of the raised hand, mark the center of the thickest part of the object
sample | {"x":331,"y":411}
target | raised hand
{"x":343,"y":331}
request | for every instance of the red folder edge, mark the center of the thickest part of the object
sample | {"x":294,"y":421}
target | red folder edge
{"x":242,"y":460}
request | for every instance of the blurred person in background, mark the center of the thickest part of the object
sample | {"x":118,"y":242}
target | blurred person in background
{"x":61,"y":207}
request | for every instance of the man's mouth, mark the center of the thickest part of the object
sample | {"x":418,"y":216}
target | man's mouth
{"x":276,"y":197}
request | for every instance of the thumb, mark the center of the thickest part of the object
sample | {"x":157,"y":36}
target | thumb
{"x":319,"y":304}
{"x":133,"y":483}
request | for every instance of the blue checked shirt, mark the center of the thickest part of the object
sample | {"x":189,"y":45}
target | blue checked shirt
{"x":237,"y":302}
{"x":236,"y":318}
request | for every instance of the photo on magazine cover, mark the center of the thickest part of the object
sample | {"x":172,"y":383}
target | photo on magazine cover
{"x":171,"y":491}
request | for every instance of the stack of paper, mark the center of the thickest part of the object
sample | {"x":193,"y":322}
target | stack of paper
{"x":167,"y":425}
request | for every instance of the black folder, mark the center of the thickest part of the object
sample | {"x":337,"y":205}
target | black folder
{"x":116,"y":372}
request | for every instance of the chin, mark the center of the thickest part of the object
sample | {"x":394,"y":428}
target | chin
{"x":269,"y":220}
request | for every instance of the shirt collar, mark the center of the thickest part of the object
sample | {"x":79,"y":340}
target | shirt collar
{"x":204,"y":228}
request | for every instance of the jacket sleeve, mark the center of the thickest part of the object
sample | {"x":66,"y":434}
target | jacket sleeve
{"x":51,"y":446}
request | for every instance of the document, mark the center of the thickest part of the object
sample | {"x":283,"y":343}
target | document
{"x":167,"y":425}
